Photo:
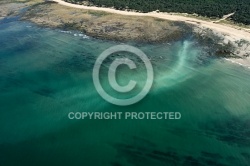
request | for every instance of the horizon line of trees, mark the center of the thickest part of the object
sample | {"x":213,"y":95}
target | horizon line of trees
{"x":207,"y":8}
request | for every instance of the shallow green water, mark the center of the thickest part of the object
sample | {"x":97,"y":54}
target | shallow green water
{"x":45,"y":74}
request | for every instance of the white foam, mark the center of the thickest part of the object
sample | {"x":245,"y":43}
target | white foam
{"x":81,"y":35}
{"x":85,"y":37}
{"x":66,"y":32}
{"x":238,"y":63}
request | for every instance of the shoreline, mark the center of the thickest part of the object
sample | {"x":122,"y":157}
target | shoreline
{"x":235,"y":33}
{"x":105,"y":25}
{"x":229,"y":35}
{"x":111,"y":24}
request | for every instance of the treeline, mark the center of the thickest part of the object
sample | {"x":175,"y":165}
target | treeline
{"x":208,"y":8}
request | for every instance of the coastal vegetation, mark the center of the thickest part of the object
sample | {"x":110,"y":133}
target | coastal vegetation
{"x":106,"y":25}
{"x":207,"y":8}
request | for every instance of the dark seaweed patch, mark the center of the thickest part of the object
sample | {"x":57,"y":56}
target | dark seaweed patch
{"x":211,"y":155}
{"x":141,"y":155}
{"x":191,"y":161}
{"x":115,"y":164}
{"x":234,"y":131}
{"x":45,"y":91}
{"x":76,"y":63}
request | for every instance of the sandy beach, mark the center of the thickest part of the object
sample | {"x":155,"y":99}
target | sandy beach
{"x":234,"y":33}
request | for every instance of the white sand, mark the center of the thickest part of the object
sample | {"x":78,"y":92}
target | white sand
{"x":229,"y":33}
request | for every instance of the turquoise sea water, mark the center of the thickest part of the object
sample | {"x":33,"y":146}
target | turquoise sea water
{"x":45,"y":74}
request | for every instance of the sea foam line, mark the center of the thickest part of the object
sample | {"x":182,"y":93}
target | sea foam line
{"x":232,"y":61}
{"x":81,"y":35}
{"x":76,"y":34}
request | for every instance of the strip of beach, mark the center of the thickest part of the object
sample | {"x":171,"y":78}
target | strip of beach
{"x":235,"y":34}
